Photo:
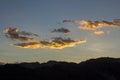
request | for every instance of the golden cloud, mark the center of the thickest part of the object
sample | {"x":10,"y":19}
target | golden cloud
{"x":57,"y":43}
{"x":85,"y":24}
{"x":54,"y":43}
{"x":93,"y":25}
{"x":32,"y":45}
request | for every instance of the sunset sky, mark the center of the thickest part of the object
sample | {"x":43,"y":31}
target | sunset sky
{"x":92,"y":30}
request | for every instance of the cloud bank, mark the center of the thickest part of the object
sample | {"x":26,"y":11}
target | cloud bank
{"x":26,"y":39}
{"x":28,"y":42}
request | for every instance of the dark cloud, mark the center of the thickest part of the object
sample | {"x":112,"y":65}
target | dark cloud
{"x":15,"y":34}
{"x":61,"y":30}
{"x":24,"y":33}
{"x":69,"y":21}
{"x":11,"y":32}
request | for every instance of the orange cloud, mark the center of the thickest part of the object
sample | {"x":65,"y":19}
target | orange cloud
{"x":58,"y":43}
{"x":54,"y":43}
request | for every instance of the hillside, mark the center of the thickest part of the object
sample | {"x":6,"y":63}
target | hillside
{"x":93,"y":69}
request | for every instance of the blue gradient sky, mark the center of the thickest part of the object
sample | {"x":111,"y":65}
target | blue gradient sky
{"x":41,"y":16}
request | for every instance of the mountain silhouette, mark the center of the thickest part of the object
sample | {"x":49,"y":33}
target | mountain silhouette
{"x":104,"y":68}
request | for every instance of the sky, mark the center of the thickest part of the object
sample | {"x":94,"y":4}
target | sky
{"x":91,"y":24}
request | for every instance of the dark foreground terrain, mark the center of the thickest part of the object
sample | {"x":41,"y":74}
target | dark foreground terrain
{"x":93,"y":69}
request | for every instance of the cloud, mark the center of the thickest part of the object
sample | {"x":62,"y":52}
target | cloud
{"x":15,"y":34}
{"x":116,"y":21}
{"x":60,"y":43}
{"x":69,"y":21}
{"x":85,"y":24}
{"x":32,"y":45}
{"x":25,"y":39}
{"x":92,"y":25}
{"x":12,"y":32}
{"x":99,"y":32}
{"x":27,"y":42}
{"x":61,"y":30}
{"x":56,"y":43}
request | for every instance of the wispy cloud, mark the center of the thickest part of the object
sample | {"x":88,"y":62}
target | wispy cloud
{"x":69,"y":21}
{"x":56,"y":43}
{"x":24,"y":33}
{"x":60,"y":30}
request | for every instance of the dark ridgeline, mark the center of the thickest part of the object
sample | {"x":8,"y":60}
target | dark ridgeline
{"x":93,"y":69}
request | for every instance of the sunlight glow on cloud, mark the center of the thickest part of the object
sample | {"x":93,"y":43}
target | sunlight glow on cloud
{"x":27,"y":42}
{"x":92,"y":25}
{"x":57,"y":43}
